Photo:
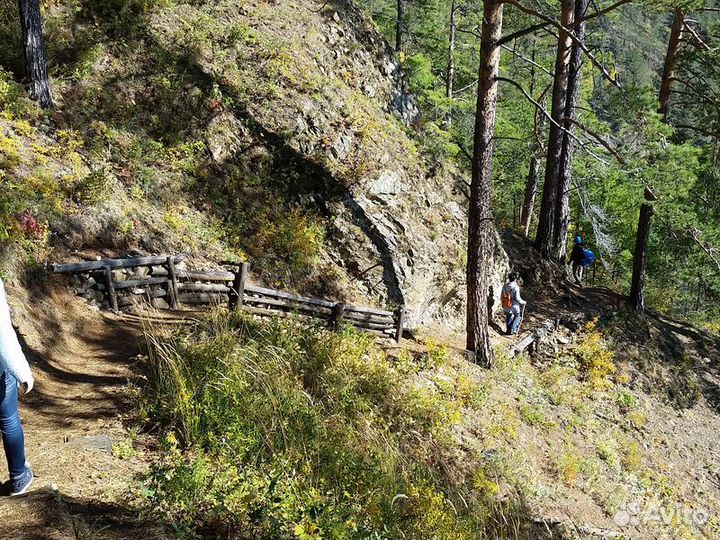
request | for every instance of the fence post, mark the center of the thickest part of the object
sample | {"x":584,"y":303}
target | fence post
{"x":110,"y":289}
{"x":338,"y":313}
{"x":172,"y":283}
{"x":400,"y":314}
{"x":236,"y":302}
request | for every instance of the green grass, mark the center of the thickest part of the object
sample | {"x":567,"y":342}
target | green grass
{"x":281,"y":430}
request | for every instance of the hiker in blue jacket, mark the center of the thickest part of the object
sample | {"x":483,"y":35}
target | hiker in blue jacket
{"x":14,"y":372}
{"x":577,"y":257}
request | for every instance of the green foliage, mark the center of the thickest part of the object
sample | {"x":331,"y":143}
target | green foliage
{"x":280,"y":430}
{"x":33,"y":190}
{"x":13,"y":102}
{"x":680,"y":162}
{"x":93,"y":188}
{"x":595,"y":359}
{"x":626,"y":401}
{"x":533,"y":415}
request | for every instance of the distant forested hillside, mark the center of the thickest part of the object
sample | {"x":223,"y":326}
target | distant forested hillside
{"x":625,"y":140}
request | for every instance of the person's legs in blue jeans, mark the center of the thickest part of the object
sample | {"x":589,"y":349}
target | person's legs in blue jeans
{"x":12,"y":431}
{"x":509,"y":318}
{"x":512,"y":318}
{"x":516,"y":319}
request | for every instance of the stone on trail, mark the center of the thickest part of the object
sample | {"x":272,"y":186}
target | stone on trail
{"x":160,"y":303}
{"x":91,"y":442}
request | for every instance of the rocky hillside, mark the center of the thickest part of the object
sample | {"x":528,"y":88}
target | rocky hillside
{"x":274,"y":131}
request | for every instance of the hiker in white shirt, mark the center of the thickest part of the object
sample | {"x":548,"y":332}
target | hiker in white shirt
{"x":512,"y":303}
{"x":14,"y":372}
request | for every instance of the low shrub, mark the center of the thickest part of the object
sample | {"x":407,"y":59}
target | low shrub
{"x":281,"y":430}
{"x":595,"y":359}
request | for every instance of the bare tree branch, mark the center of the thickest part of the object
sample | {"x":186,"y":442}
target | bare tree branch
{"x":601,"y":12}
{"x":698,"y":93}
{"x":599,"y":138}
{"x":472,"y":31}
{"x":466,"y":87}
{"x":702,"y":131}
{"x":528,"y":60}
{"x":571,"y":35}
{"x":711,"y":251}
{"x":540,"y":26}
{"x":521,"y":33}
{"x":552,"y":120}
{"x":697,"y":40}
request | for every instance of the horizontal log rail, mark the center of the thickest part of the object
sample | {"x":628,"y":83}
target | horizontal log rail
{"x":183,"y":286}
{"x":287,"y":296}
{"x":203,"y":287}
{"x":89,"y":266}
{"x":135,"y":283}
{"x":206,"y":276}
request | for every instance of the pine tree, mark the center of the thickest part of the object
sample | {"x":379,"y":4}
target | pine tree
{"x":481,"y":226}
{"x":399,"y":25}
{"x":560,"y":227}
{"x":548,"y":209}
{"x":671,"y":57}
{"x":34,"y":52}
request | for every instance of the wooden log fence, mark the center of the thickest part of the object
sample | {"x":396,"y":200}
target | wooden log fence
{"x":193,"y":287}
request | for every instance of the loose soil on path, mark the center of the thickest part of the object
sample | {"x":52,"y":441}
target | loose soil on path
{"x":83,"y":361}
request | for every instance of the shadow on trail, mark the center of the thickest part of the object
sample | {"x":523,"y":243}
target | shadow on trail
{"x":79,"y":358}
{"x":51,"y":514}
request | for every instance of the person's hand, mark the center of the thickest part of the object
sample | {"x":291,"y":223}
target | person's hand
{"x":27,"y":385}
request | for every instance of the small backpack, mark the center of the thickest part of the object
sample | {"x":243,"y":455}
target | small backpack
{"x":588,"y":257}
{"x":506,"y":298}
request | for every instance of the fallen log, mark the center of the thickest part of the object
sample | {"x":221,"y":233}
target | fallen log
{"x":545,"y":328}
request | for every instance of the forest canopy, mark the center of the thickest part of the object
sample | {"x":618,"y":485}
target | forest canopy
{"x":624,"y":137}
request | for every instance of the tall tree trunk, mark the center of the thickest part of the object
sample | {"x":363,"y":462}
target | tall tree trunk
{"x":531,"y":184}
{"x":451,"y":65}
{"x":637,"y":291}
{"x":560,"y":227}
{"x":546,"y":222}
{"x":671,"y":57}
{"x":481,"y":237}
{"x":399,"y":25}
{"x":34,"y":52}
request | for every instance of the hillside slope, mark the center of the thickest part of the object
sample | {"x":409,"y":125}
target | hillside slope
{"x":274,"y":131}
{"x":609,"y":428}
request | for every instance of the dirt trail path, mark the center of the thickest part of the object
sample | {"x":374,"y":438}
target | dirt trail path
{"x":82,"y":361}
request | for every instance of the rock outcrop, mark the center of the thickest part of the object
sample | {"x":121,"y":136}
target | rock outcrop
{"x":332,"y":101}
